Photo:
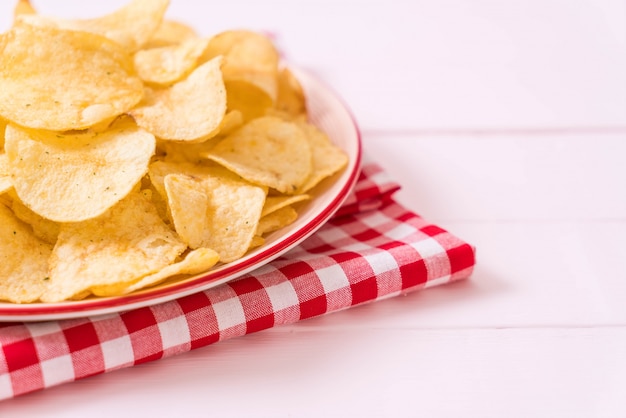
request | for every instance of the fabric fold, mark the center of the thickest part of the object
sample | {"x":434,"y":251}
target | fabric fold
{"x":372,"y":249}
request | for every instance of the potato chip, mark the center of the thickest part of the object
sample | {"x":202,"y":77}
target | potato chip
{"x":126,"y":243}
{"x":3,"y":127}
{"x":290,"y":98}
{"x":250,"y":70}
{"x":159,"y":169}
{"x":327,"y":158}
{"x":191,"y":152}
{"x":23,"y":7}
{"x":195,"y":262}
{"x":169,"y":64}
{"x":273,"y":203}
{"x":276,"y":220}
{"x":23,"y":260}
{"x":228,"y":219}
{"x":62,"y":80}
{"x":170,"y":32}
{"x":5,"y":175}
{"x":188,"y":202}
{"x":130,"y":26}
{"x":267,"y":151}
{"x":44,"y":229}
{"x":190,"y":110}
{"x":73,"y":177}
{"x":257,"y":241}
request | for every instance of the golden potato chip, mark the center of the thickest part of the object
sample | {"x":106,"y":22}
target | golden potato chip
{"x":126,"y":243}
{"x":290,"y":98}
{"x":250,"y":70}
{"x":267,"y":151}
{"x":62,"y":80}
{"x":130,"y":26}
{"x":3,"y":127}
{"x":191,"y":152}
{"x":169,"y":64}
{"x":23,"y":260}
{"x":190,"y":110}
{"x":23,"y":7}
{"x":195,"y":262}
{"x":159,"y":169}
{"x":170,"y":32}
{"x":5,"y":175}
{"x":328,"y":159}
{"x":248,"y":56}
{"x":44,"y":229}
{"x":73,"y":177}
{"x":228,"y":220}
{"x":276,"y":220}
{"x":188,"y":202}
{"x":273,"y":203}
{"x":257,"y":241}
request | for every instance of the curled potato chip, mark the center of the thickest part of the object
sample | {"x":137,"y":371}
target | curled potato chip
{"x":274,"y":203}
{"x":169,"y":64}
{"x":276,"y":220}
{"x":195,"y":262}
{"x":291,"y":99}
{"x":267,"y":151}
{"x":170,"y":32}
{"x":225,"y":219}
{"x":73,"y":177}
{"x":37,"y":95}
{"x":5,"y":174}
{"x":190,"y":110}
{"x":23,"y":7}
{"x":130,"y":26}
{"x":23,"y":260}
{"x":250,"y":70}
{"x":327,"y":158}
{"x":126,"y":243}
{"x":43,"y":228}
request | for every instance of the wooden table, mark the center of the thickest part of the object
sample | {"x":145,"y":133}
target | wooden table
{"x":505,"y":122}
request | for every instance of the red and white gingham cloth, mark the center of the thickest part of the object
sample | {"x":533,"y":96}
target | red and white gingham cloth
{"x":371,"y":250}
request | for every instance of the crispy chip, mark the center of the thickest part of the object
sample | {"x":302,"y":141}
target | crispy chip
{"x":248,"y":56}
{"x":23,"y":7}
{"x":170,"y":32}
{"x":5,"y":175}
{"x":43,"y":228}
{"x":130,"y":26}
{"x":327,"y":158}
{"x":190,"y":110}
{"x":69,"y":178}
{"x":37,"y":95}
{"x":159,"y":169}
{"x":250,"y":70}
{"x":267,"y":151}
{"x":290,"y":98}
{"x":273,"y":203}
{"x":124,"y":244}
{"x":169,"y":64}
{"x":225,"y":220}
{"x":195,"y":262}
{"x":276,"y":220}
{"x":23,"y":260}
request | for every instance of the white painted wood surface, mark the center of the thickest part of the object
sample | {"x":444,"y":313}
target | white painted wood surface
{"x":505,"y":122}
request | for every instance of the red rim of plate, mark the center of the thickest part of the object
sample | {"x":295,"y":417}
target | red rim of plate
{"x":148,"y":297}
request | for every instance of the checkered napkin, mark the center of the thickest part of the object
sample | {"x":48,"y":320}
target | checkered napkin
{"x":372,"y":249}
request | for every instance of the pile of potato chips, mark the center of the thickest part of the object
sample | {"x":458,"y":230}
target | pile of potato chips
{"x":133,"y":150}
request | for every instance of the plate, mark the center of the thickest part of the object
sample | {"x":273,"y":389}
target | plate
{"x":329,"y":113}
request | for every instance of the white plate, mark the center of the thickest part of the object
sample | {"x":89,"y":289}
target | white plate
{"x":326,"y":111}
